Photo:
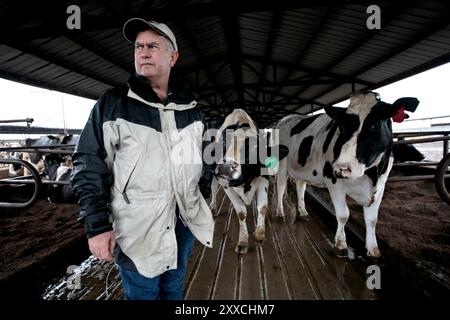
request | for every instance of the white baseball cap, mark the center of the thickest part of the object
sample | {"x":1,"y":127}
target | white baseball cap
{"x":135,"y":25}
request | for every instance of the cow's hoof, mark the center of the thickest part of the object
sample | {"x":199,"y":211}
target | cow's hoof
{"x":302,"y":212}
{"x":259,"y":242}
{"x":241,"y":248}
{"x":304,"y":218}
{"x":280,"y":215}
{"x":259,"y":235}
{"x":374,"y":253}
{"x":341,"y":253}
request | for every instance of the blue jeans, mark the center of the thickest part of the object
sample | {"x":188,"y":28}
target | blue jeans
{"x":170,"y":284}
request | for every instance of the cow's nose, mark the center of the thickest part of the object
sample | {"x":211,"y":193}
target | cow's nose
{"x":342,"y":171}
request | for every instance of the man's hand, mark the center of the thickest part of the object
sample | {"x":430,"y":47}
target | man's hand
{"x":102,"y":245}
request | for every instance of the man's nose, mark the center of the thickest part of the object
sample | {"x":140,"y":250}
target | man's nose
{"x":145,"y":54}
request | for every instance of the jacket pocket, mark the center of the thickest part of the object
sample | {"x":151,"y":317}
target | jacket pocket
{"x":123,"y":173}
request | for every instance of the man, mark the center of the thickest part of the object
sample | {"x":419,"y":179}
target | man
{"x":139,"y":196}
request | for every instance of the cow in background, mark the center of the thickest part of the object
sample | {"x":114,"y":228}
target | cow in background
{"x":58,"y":193}
{"x":348,"y":151}
{"x":55,"y":166}
{"x":241,"y":177}
{"x":406,"y":152}
{"x":47,"y":163}
{"x":14,"y":170}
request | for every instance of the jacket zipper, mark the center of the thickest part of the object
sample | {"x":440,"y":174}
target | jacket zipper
{"x":125,"y":197}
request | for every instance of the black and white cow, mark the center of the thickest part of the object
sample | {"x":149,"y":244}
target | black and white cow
{"x":62,"y":193}
{"x":241,"y":171}
{"x":348,"y":151}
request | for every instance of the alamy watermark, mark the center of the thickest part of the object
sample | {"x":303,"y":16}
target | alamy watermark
{"x":74,"y":20}
{"x":248,"y":147}
{"x":374,"y":277}
{"x":373,"y":22}
{"x":74,"y":277}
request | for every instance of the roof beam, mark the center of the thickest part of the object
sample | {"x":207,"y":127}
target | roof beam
{"x":232,"y":38}
{"x":288,"y":83}
{"x":196,"y":50}
{"x":274,"y":27}
{"x":291,"y":66}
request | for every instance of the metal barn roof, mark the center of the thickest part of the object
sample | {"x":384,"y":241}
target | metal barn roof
{"x":269,"y":58}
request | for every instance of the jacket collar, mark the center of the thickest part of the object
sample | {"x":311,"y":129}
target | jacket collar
{"x":177,"y":93}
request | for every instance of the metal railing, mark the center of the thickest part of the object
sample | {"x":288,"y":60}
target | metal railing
{"x":441,"y":173}
{"x":36,"y":180}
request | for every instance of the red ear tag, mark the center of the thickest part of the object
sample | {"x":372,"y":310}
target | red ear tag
{"x":400,"y":115}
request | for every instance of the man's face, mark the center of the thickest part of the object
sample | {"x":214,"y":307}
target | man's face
{"x":153,"y":55}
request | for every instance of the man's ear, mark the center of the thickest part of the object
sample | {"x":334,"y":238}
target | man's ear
{"x":173,"y":58}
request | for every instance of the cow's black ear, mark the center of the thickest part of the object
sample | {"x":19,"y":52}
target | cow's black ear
{"x":283,"y":151}
{"x":408,"y":103}
{"x":334,"y":112}
{"x":396,"y":110}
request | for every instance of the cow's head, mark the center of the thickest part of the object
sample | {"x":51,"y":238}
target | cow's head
{"x":241,"y":158}
{"x":365,"y":132}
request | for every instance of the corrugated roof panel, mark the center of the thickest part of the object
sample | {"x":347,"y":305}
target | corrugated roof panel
{"x":254,"y":30}
{"x":337,"y":35}
{"x":294,"y":31}
{"x":208,"y":35}
{"x":65,"y":49}
{"x":7,"y":53}
{"x":113,"y":40}
{"x":22,"y":62}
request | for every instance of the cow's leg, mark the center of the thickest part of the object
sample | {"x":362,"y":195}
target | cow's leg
{"x":26,"y":157}
{"x":263,"y":208}
{"x":281,"y":187}
{"x":342,"y":214}
{"x":301,"y":187}
{"x":214,"y":191}
{"x":241,"y":211}
{"x":370,"y":219}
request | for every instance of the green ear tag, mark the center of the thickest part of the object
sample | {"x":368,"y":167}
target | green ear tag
{"x":271,"y":162}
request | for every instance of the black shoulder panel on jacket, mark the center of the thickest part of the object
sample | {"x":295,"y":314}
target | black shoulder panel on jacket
{"x":186,"y":117}
{"x":119,"y":105}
